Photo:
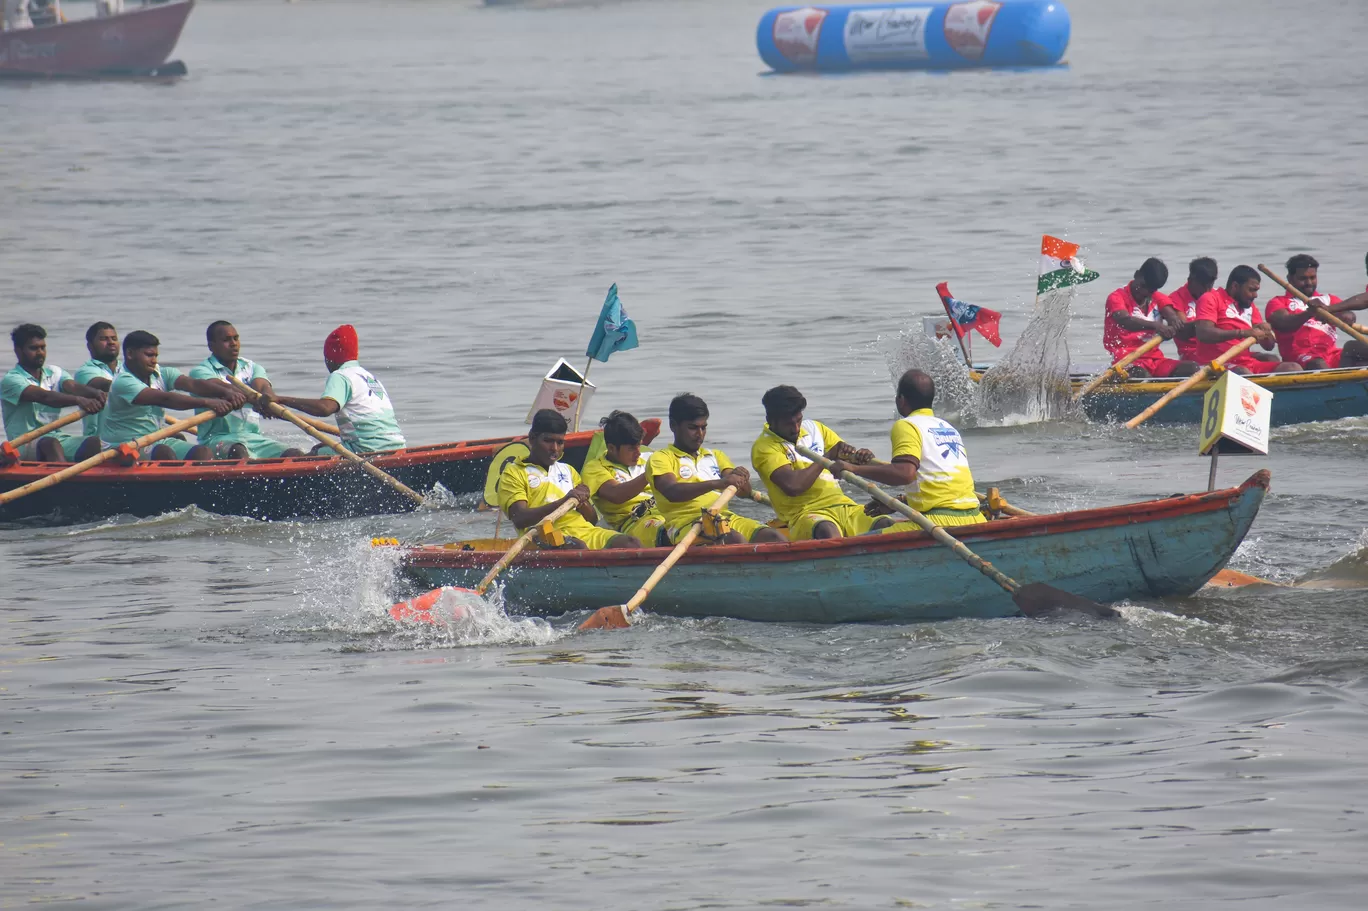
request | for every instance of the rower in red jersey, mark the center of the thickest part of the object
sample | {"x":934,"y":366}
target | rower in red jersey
{"x":1201,"y":279}
{"x":1302,"y":337}
{"x":1135,"y":313}
{"x":1224,"y":316}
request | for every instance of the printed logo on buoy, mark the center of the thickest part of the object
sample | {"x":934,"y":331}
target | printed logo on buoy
{"x":796,"y":33}
{"x":563,"y":399}
{"x":1249,"y":400}
{"x":967,"y":26}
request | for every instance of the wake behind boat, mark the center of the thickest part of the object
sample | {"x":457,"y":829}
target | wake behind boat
{"x":1158,"y":548}
{"x":136,"y":42}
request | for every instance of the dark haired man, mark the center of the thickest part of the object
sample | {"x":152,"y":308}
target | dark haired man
{"x":365,"y":413}
{"x":1202,"y":275}
{"x":236,"y":435}
{"x":1302,"y":337}
{"x":102,"y":341}
{"x":805,"y":495}
{"x":1137,"y":311}
{"x":618,"y":483}
{"x":929,"y":459}
{"x":687,"y":477}
{"x":143,"y":389}
{"x":34,"y":393}
{"x":1224,"y":316}
{"x":531,"y":488}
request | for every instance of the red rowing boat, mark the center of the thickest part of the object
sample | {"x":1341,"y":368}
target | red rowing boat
{"x":132,"y":43}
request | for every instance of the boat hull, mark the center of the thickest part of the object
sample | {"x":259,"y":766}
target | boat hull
{"x":315,"y":487}
{"x":1315,"y":395}
{"x":1158,"y":548}
{"x":131,"y":43}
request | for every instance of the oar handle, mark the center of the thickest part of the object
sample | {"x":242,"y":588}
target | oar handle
{"x":281,"y":412}
{"x":931,"y":528}
{"x":1317,"y":306}
{"x":1209,"y":370}
{"x":520,"y":544}
{"x":685,"y":542}
{"x":1118,"y":370}
{"x":43,"y":431}
{"x":142,"y":442}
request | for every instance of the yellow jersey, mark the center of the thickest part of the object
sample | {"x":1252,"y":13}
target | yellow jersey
{"x":537,"y":486}
{"x":943,"y":478}
{"x":772,"y":451}
{"x":600,"y":471}
{"x":707,"y":465}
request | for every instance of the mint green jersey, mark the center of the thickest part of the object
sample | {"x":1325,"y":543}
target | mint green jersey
{"x":235,"y":425}
{"x":125,"y":421}
{"x":95,"y":369}
{"x":366,"y":419}
{"x":20,"y":417}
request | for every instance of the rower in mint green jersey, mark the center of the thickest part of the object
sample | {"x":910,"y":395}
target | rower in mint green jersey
{"x":35,"y":392}
{"x":236,"y":435}
{"x":365,"y":414}
{"x":102,"y":341}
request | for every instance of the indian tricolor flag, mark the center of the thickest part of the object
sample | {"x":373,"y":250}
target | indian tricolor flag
{"x":1060,"y":266}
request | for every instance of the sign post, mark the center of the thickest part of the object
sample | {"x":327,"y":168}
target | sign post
{"x":1235,"y":419}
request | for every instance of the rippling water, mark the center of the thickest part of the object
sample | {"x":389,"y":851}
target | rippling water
{"x":198,"y":709}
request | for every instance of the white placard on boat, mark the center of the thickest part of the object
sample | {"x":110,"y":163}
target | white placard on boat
{"x":1235,"y":416}
{"x":560,"y":390}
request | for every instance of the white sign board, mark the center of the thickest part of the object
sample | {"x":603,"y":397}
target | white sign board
{"x":1235,"y":416}
{"x":560,"y":390}
{"x":895,"y":34}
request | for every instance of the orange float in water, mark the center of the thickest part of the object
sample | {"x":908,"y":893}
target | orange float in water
{"x":420,"y":609}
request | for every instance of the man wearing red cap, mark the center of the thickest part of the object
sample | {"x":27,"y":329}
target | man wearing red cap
{"x":365,"y":415}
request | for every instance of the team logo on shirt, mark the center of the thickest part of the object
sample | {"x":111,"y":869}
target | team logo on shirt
{"x":534,"y":480}
{"x":686,"y":471}
{"x":948,"y":439}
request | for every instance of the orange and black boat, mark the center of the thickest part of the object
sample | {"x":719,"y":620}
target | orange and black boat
{"x":310,"y":487}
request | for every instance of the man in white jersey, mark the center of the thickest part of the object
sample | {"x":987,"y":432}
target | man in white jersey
{"x":365,"y":415}
{"x":929,"y":459}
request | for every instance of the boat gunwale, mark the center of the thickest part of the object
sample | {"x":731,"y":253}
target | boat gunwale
{"x":448,"y":556}
{"x":1310,"y":379}
{"x":297,"y":466}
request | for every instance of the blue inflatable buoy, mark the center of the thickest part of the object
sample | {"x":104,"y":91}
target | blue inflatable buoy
{"x":937,"y":36}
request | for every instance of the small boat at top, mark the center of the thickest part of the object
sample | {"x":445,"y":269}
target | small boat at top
{"x":308,"y":487}
{"x":1154,"y":549}
{"x":1311,"y":395}
{"x":135,"y":42}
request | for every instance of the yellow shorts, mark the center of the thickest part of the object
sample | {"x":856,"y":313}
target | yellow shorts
{"x":970,"y":517}
{"x":594,"y":538}
{"x":747,"y":527}
{"x":850,"y":518}
{"x":645,"y":529}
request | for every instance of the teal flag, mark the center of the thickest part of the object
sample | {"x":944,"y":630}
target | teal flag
{"x":615,"y":330}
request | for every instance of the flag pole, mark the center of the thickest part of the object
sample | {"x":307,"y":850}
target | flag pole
{"x":954,"y":327}
{"x":579,"y":402}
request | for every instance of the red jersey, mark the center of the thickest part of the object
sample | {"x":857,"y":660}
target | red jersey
{"x":1313,"y":339}
{"x":1219,"y":307}
{"x":1183,"y":301}
{"x":1120,"y":342}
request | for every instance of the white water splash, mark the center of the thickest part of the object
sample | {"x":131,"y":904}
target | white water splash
{"x":464,"y":618}
{"x":1031,"y":383}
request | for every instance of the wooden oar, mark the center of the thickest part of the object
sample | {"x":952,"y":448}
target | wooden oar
{"x":1209,"y":370}
{"x":1321,"y":312}
{"x":100,"y":458}
{"x":1034,"y":599}
{"x":281,"y":412}
{"x":420,"y":608}
{"x":315,"y":423}
{"x":10,"y":452}
{"x":619,"y":616}
{"x":1117,"y":371}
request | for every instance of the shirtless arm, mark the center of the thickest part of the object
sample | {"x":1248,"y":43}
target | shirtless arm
{"x":677,"y":491}
{"x":319,"y":408}
{"x":619,"y":492}
{"x":1133,"y":323}
{"x":73,"y":393}
{"x":524,"y":516}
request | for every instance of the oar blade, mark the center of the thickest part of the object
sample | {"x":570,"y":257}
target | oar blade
{"x":1038,"y":600}
{"x":615,"y":617}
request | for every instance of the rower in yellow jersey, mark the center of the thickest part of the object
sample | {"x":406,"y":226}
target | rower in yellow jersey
{"x":530,"y":489}
{"x":686,"y":477}
{"x":805,"y":495}
{"x":618,"y":484}
{"x":928,"y":459}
